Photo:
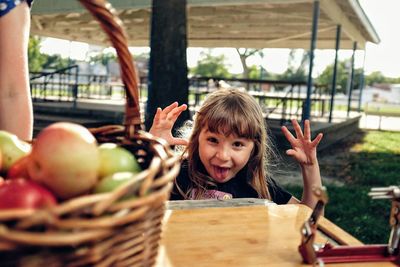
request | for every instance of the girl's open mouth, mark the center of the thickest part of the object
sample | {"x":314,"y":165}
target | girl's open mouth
{"x":221,"y":173}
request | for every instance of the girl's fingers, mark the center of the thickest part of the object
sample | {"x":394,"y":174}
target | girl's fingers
{"x":297,"y":128}
{"x":178,"y":110}
{"x":181,"y":141}
{"x":317,"y":139}
{"x":174,"y":114}
{"x":156,"y":119}
{"x":288,"y":135}
{"x":307,"y":130}
{"x":168,"y":109}
{"x":290,"y":152}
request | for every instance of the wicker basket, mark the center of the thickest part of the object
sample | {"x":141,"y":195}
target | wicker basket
{"x":100,"y":229}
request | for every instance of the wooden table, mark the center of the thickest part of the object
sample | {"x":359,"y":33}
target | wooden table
{"x":239,"y":233}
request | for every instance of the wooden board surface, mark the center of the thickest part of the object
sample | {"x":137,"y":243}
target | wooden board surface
{"x":239,"y":236}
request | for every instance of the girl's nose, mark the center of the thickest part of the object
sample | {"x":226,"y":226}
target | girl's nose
{"x":223,"y":153}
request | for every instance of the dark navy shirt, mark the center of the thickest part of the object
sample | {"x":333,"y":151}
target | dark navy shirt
{"x":237,"y":187}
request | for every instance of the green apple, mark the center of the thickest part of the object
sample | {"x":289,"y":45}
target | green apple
{"x":113,"y":181}
{"x":114,"y":158}
{"x":12,"y":149}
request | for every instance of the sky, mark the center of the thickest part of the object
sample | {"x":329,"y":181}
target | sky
{"x":384,"y":57}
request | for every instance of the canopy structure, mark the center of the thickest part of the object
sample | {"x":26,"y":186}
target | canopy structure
{"x":218,"y":23}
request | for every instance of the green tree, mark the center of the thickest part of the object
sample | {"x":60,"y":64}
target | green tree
{"x":375,"y":77}
{"x":296,"y":72}
{"x":103,"y":58}
{"x":254,"y":72}
{"x":342,"y":76}
{"x":35,"y":58}
{"x":38,"y":61}
{"x":56,"y":62}
{"x":245,"y":53}
{"x":210,"y":65}
{"x":394,"y":80}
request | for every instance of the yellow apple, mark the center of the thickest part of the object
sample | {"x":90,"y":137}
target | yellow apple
{"x":11,"y":149}
{"x":114,"y":158}
{"x":65,"y":158}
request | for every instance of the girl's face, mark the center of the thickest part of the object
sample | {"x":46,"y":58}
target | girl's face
{"x":223,"y":156}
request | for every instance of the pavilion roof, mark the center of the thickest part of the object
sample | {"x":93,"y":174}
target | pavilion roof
{"x":217,"y":23}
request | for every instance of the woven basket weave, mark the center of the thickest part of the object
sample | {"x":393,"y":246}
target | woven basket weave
{"x":101,"y":229}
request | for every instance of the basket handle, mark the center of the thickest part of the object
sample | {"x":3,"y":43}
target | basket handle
{"x":112,"y":26}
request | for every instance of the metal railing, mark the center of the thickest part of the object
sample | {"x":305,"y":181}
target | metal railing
{"x":59,"y":85}
{"x":68,"y":85}
{"x":279,"y":99}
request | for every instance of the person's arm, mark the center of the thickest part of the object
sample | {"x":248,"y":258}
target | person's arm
{"x":163,"y":122}
{"x":304,"y":151}
{"x":15,"y":99}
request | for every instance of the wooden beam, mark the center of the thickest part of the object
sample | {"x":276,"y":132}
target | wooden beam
{"x":365,"y":21}
{"x":63,"y":7}
{"x":333,"y":11}
{"x":242,"y":2}
{"x":293,"y":37}
{"x":294,"y":44}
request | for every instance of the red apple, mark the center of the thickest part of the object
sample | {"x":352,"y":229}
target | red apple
{"x":1,"y":159}
{"x":65,"y":159}
{"x":19,"y":169}
{"x":24,"y":194}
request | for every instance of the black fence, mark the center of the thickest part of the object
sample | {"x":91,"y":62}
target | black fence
{"x":68,"y":85}
{"x":278,"y":99}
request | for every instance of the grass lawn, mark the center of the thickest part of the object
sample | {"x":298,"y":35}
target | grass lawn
{"x":382,"y":109}
{"x":370,"y":159}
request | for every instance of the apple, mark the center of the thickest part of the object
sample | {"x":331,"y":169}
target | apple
{"x":24,"y":194}
{"x":19,"y":169}
{"x":114,"y":158}
{"x":12,"y":149}
{"x":113,"y":181}
{"x":65,"y":159}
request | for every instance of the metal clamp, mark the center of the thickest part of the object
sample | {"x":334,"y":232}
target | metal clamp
{"x":393,"y":193}
{"x":309,"y":228}
{"x":365,"y":253}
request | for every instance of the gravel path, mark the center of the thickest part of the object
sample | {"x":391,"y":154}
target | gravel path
{"x":295,"y":178}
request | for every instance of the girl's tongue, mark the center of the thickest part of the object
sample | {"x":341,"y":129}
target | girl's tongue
{"x":221,"y":173}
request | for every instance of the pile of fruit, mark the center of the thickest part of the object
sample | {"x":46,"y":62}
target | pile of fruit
{"x":65,"y":161}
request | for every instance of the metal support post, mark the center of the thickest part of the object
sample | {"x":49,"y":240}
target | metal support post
{"x":307,"y":104}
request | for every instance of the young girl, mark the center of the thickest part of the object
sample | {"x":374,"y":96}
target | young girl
{"x":227,"y":153}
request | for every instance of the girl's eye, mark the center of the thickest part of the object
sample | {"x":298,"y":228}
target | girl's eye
{"x":212,"y":140}
{"x":238,"y":144}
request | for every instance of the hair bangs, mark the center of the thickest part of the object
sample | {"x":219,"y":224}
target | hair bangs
{"x":230,"y":121}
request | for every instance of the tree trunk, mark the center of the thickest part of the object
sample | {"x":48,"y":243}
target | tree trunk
{"x":243,"y":58}
{"x":168,"y":67}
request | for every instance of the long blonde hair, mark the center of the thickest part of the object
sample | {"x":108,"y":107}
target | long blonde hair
{"x":230,"y":111}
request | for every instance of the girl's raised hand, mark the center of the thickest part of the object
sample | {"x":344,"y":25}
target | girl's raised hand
{"x":304,"y":150}
{"x":163,"y":122}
